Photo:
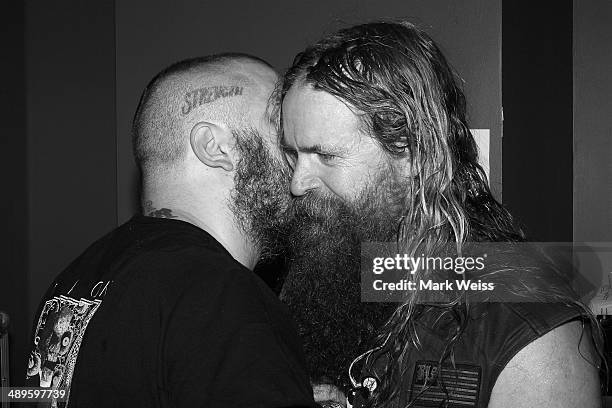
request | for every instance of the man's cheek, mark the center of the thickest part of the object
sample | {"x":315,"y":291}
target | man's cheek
{"x":349,"y":187}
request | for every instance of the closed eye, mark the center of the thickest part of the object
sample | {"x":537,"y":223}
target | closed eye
{"x":326,"y":157}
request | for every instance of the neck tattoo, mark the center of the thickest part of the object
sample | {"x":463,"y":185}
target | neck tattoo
{"x":151,"y":211}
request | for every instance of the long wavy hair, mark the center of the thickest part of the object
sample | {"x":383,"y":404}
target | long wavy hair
{"x":407,"y":98}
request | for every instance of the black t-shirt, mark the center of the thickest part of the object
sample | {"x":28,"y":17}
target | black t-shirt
{"x":158,"y":314}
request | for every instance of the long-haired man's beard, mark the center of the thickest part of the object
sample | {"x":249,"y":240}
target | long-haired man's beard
{"x":261,"y":198}
{"x":322,"y":288}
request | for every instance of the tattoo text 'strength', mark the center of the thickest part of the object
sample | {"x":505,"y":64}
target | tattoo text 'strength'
{"x":208,"y":94}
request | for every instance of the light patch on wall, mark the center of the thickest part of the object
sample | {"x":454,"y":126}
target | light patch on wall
{"x":482,"y":138}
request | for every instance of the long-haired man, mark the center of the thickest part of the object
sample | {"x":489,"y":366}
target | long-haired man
{"x":375,"y":131}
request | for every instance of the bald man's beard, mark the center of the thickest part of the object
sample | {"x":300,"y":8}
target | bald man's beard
{"x":323,"y":289}
{"x":261,"y":198}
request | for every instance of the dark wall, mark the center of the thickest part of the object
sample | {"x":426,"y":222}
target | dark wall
{"x":14,"y":170}
{"x":593,"y":120}
{"x":537,"y":102}
{"x":151,"y":34}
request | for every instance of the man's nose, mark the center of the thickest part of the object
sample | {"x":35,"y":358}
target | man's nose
{"x":302,"y":181}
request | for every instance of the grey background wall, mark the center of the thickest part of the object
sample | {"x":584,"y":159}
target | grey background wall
{"x":153,"y":34}
{"x":59,"y":148}
{"x":70,"y":81}
{"x":592,"y":137}
{"x":592,"y":120}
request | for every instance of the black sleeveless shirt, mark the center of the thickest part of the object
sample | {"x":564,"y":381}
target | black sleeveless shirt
{"x":494,"y":334}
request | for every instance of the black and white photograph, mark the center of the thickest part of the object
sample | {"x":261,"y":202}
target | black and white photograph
{"x":302,"y":204}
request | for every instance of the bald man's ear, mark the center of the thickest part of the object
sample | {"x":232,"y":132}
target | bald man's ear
{"x":211,"y":145}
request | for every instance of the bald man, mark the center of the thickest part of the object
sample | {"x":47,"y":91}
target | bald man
{"x":165,"y":311}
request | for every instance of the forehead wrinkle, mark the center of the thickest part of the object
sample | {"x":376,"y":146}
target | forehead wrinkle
{"x":320,"y":112}
{"x":327,"y":146}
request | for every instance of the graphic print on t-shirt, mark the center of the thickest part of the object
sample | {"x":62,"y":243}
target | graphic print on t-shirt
{"x":59,"y":332}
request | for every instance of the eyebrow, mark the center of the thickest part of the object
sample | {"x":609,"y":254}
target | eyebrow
{"x":316,"y":148}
